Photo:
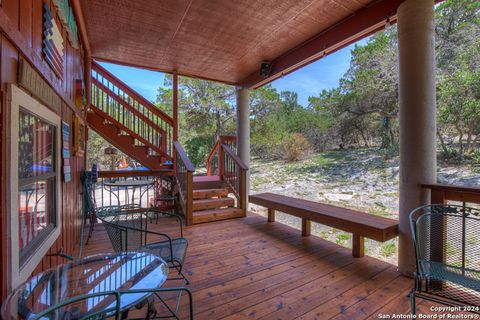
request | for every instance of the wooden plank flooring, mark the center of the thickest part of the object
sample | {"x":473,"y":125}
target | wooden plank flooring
{"x":251,"y":269}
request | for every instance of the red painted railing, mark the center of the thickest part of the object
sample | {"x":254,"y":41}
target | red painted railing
{"x":224,"y":162}
{"x":133,"y":114}
{"x":441,"y":193}
{"x":234,"y":174}
{"x":184,"y":171}
{"x":212,"y":159}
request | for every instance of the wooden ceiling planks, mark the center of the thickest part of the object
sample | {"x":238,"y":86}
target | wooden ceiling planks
{"x":212,"y":39}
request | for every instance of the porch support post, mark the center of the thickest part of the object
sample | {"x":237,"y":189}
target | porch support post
{"x":418,"y":161}
{"x":175,"y":107}
{"x":175,"y":120}
{"x":243,"y":130}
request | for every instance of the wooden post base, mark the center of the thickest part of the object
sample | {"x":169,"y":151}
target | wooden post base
{"x":271,"y":215}
{"x":306,"y":227}
{"x":358,"y":246}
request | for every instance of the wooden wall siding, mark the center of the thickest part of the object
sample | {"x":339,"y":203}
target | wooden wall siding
{"x":27,"y":15}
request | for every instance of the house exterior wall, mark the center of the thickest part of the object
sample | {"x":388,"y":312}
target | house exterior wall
{"x":21,"y":27}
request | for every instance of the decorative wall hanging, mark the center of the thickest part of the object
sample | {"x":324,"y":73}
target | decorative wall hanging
{"x":79,"y":134}
{"x":66,"y":16}
{"x":80,"y":96}
{"x":67,"y":170}
{"x":53,"y":48}
{"x":29,"y":79}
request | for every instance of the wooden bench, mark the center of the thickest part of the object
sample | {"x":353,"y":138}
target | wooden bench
{"x":360,"y":224}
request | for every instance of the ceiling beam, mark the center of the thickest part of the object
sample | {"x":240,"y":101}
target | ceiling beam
{"x":362,"y":23}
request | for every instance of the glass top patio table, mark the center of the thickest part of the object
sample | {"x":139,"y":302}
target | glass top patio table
{"x":127,"y":185}
{"x":93,"y":274}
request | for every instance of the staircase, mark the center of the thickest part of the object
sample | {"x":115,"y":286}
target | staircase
{"x":211,"y":201}
{"x":222,"y":194}
{"x":145,"y":133}
{"x":129,"y":122}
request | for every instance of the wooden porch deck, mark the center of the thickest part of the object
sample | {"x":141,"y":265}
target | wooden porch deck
{"x":249,"y":268}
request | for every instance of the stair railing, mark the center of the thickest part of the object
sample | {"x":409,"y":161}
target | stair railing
{"x":133,"y":114}
{"x":184,"y":170}
{"x":234,"y":174}
{"x":212,"y":159}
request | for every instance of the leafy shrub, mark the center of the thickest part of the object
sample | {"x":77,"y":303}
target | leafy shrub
{"x":388,"y":249}
{"x":295,"y":147}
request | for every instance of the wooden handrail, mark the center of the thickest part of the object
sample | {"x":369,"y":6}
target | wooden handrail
{"x":216,"y":150}
{"x":233,"y":172}
{"x":183,"y":155}
{"x":110,"y":77}
{"x":234,"y":156}
{"x":184,"y":170}
{"x":212,"y":153}
{"x":131,"y":132}
{"x":441,"y":193}
{"x":130,"y":112}
{"x":128,"y":106}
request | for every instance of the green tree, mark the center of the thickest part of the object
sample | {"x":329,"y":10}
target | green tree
{"x":206,"y":110}
{"x":458,"y":76}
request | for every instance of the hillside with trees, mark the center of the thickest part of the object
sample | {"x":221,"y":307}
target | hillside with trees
{"x":361,"y":112}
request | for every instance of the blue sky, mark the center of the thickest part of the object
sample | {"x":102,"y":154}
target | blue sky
{"x":307,"y":81}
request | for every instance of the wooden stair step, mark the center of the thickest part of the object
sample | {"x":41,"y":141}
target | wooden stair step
{"x":210,"y":193}
{"x":207,"y":182}
{"x":215,"y":215}
{"x":205,"y":204}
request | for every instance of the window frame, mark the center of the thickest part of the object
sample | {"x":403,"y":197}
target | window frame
{"x":30,"y":248}
{"x":21,"y":270}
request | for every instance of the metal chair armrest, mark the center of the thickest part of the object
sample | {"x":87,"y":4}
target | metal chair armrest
{"x":61,"y":253}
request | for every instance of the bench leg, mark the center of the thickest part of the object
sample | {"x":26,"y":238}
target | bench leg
{"x":358,"y":246}
{"x":271,"y":215}
{"x":306,"y":227}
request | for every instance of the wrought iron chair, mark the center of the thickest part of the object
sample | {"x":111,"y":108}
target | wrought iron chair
{"x":128,"y":231}
{"x":165,"y":202}
{"x":107,"y":303}
{"x":447,"y":251}
{"x":89,"y":179}
{"x":89,"y":203}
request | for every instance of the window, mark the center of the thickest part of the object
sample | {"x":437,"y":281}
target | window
{"x":34,"y":181}
{"x":37,"y":172}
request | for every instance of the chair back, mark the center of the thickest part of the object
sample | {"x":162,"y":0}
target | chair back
{"x":447,"y":234}
{"x":126,"y":229}
{"x":88,"y":193}
{"x":95,"y":306}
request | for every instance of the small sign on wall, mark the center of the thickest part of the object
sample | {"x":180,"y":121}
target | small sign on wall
{"x":67,"y":171}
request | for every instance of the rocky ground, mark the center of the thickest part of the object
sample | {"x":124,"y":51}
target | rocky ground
{"x":361,"y":179}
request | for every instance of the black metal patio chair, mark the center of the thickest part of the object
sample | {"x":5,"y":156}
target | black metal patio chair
{"x":165,"y":201}
{"x":447,"y":250}
{"x":128,"y":231}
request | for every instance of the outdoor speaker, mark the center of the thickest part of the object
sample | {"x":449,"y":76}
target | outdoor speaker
{"x":265,"y":69}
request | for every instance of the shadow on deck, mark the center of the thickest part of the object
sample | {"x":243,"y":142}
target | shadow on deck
{"x":249,"y":268}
